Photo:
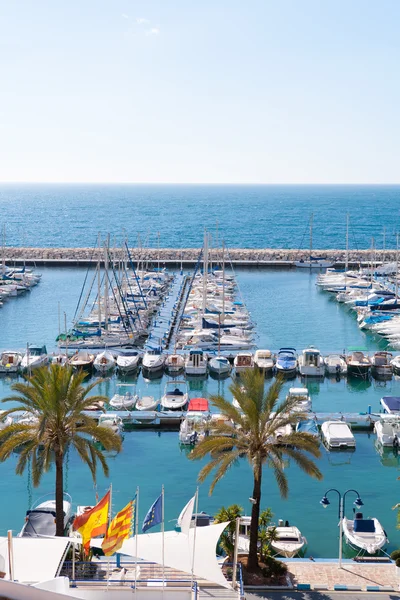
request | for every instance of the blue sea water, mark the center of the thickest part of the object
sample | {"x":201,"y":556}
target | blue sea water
{"x":288,"y":310}
{"x":248,"y":216}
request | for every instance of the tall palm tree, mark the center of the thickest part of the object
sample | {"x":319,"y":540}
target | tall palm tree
{"x":255,"y":432}
{"x":55,"y":400}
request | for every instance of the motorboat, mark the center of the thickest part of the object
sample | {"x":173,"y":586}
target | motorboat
{"x":40,"y":520}
{"x":59,"y":359}
{"x":264,"y":360}
{"x":286,"y":362}
{"x":381,"y":365}
{"x":219,"y":365}
{"x":82,"y":359}
{"x":128,"y":363}
{"x":396,"y":364}
{"x":302,"y":398}
{"x":174,"y":363}
{"x":153,"y":360}
{"x":10,"y":361}
{"x":387,"y":430}
{"x":5,"y":421}
{"x":104,"y":362}
{"x":125,"y":401}
{"x":309,"y":426}
{"x":358,"y":364}
{"x":36,"y":356}
{"x":196,"y":363}
{"x":364,"y":535}
{"x":196,"y":420}
{"x":175,"y":395}
{"x":311,"y":363}
{"x":335,"y":364}
{"x":391,"y":404}
{"x":147,"y":403}
{"x":337,"y":434}
{"x":112,"y":421}
{"x":243,"y":361}
{"x":288,"y":541}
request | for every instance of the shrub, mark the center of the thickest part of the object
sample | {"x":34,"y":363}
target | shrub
{"x":398,"y":562}
{"x":274,"y":568}
{"x":395,"y":554}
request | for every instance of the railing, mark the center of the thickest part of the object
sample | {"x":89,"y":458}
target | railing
{"x":195,"y":590}
{"x":239,"y":577}
{"x":240,"y":580}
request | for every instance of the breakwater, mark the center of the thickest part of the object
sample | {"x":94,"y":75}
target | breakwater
{"x":262,"y":257}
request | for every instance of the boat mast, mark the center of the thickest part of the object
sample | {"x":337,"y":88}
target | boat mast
{"x":397,"y":266}
{"x":99,"y":282}
{"x":346,"y":264}
{"x":158,"y":249}
{"x":223,"y":281}
{"x":311,"y":227}
{"x":205,"y":269}
{"x":106,"y":248}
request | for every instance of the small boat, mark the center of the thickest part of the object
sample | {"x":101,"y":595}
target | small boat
{"x":128,"y":363}
{"x":36,"y":356}
{"x":123,"y":401}
{"x":175,"y":395}
{"x":196,"y":363}
{"x":112,"y":421}
{"x":104,"y":362}
{"x":153,"y":360}
{"x":302,"y":397}
{"x":396,"y":364}
{"x":309,"y":426}
{"x":310,"y":363}
{"x":5,"y":421}
{"x":40,"y":520}
{"x":59,"y":359}
{"x":391,"y":404}
{"x":82,"y":359}
{"x":264,"y":360}
{"x":358,"y":364}
{"x":337,"y":434}
{"x":147,"y":403}
{"x":219,"y":365}
{"x":193,"y":425}
{"x":174,"y":363}
{"x":286,"y":362}
{"x":10,"y":361}
{"x":365,"y":535}
{"x":289,"y":541}
{"x":243,"y":361}
{"x":387,"y":431}
{"x":381,"y":365}
{"x":335,"y":364}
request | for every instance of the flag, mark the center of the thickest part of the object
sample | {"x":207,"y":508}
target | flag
{"x":154,"y":514}
{"x":119,"y":529}
{"x":93,"y":522}
{"x":185,"y":518}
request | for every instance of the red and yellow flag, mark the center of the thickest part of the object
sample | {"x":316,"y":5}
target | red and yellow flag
{"x":93,"y":522}
{"x":119,"y":529}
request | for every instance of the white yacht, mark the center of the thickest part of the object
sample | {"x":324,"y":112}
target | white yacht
{"x":175,"y":396}
{"x":337,"y":435}
{"x":153,"y":360}
{"x":286,"y":362}
{"x":128,"y":363}
{"x":264,"y":360}
{"x":358,"y":364}
{"x":302,"y":397}
{"x":289,"y":541}
{"x":174,"y":363}
{"x":387,"y":430}
{"x":82,"y":359}
{"x":243,"y":361}
{"x":40,"y":520}
{"x":381,"y":365}
{"x":335,"y":364}
{"x":311,"y":363}
{"x":10,"y":361}
{"x":219,"y":365}
{"x":196,"y":363}
{"x":36,"y":356}
{"x":365,"y":535}
{"x":104,"y":362}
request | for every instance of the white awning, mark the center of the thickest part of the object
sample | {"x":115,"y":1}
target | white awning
{"x":35,"y":559}
{"x":178,"y":551}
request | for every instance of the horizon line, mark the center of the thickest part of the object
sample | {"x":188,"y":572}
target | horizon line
{"x":250,"y":183}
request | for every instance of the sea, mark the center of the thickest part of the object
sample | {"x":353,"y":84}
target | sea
{"x":286,"y":306}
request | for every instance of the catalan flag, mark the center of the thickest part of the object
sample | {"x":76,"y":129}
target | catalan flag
{"x":93,"y":522}
{"x":119,"y":529}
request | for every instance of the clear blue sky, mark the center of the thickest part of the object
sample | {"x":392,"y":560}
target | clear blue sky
{"x":200,"y":91}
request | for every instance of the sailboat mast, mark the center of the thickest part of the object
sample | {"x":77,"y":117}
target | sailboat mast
{"x":205,"y":269}
{"x":311,"y":232}
{"x":158,"y":253}
{"x":397,"y":266}
{"x":346,"y":264}
{"x":99,"y":282}
{"x":106,"y":248}
{"x":223,"y":281}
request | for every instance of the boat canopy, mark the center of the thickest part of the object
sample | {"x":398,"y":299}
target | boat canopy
{"x":307,"y":427}
{"x":391,"y":404}
{"x":364,"y":525}
{"x":199,"y":404}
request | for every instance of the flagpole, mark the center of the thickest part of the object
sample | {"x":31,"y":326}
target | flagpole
{"x":196,"y":510}
{"x":108,"y":525}
{"x":136,"y":533}
{"x":162,"y":531}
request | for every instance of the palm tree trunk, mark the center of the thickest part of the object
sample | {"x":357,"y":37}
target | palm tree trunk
{"x":252,"y":562}
{"x":59,"y":494}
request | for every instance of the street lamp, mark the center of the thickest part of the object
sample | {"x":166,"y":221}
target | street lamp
{"x":342,"y":498}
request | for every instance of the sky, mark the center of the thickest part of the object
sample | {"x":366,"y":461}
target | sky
{"x":200,"y":91}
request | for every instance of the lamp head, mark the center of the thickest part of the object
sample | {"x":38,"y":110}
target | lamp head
{"x":358,"y":502}
{"x":325,"y":502}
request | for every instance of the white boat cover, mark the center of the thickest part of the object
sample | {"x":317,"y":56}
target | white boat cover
{"x":178,"y":551}
{"x":35,"y":559}
{"x":337,"y":432}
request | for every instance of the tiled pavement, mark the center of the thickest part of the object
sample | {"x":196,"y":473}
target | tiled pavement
{"x":351,"y":574}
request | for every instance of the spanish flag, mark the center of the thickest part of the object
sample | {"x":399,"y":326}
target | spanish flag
{"x":93,"y":522}
{"x":119,"y":529}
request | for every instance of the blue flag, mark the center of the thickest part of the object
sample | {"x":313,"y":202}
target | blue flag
{"x":154,"y":515}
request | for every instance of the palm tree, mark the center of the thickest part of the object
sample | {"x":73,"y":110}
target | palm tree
{"x":255,"y":431}
{"x":55,"y":401}
{"x":227,"y":539}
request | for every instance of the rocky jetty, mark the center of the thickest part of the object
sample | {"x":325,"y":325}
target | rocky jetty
{"x":245,"y":256}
